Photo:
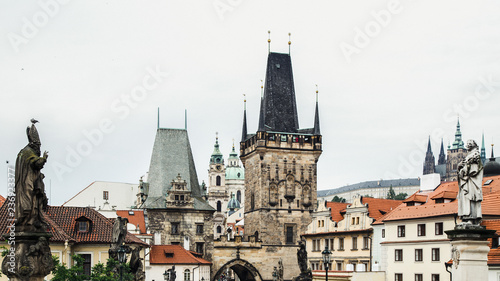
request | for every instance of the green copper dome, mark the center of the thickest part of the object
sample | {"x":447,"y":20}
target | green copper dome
{"x":235,"y":173}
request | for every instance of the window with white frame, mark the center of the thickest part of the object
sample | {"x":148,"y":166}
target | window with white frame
{"x":187,"y":275}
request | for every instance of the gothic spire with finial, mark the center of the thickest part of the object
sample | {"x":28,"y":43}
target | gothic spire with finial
{"x":289,"y":42}
{"x":269,"y":41}
{"x":316,"y":130}
{"x":483,"y":150}
{"x":442,"y":156}
{"x":244,"y":130}
{"x":458,"y":142}
{"x":216,"y":157}
{"x":429,"y":163}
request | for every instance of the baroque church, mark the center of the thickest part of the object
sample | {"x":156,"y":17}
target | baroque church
{"x":280,"y":162}
{"x":456,"y":152}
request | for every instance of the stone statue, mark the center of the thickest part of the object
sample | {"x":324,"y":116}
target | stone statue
{"x":29,"y":258}
{"x":29,"y":187}
{"x":136,"y":267}
{"x":470,"y":177}
{"x":305,"y":272}
{"x":173,"y":275}
{"x":280,"y":270}
{"x":118,"y":237}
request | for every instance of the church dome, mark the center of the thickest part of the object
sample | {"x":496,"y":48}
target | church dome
{"x":235,"y":173}
{"x":233,"y":203}
{"x":491,"y":168}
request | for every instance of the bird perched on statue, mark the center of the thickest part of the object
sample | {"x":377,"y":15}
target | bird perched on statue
{"x":34,"y":121}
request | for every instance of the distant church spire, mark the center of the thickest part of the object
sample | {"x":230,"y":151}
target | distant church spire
{"x":458,"y":143}
{"x":216,"y":157}
{"x":244,"y":130}
{"x":429,"y":164}
{"x":483,"y":151}
{"x":442,"y":156}
{"x":316,"y":130}
{"x":492,"y":158}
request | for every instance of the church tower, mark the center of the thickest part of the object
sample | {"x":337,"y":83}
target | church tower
{"x":280,"y":162}
{"x":442,"y":156}
{"x":217,"y":194}
{"x":456,"y":153}
{"x":430,"y":162}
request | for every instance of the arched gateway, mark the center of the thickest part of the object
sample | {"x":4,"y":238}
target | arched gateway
{"x":245,"y":270}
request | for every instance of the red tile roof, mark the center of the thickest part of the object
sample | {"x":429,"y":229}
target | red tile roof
{"x":445,"y":194}
{"x":491,"y":200}
{"x":337,"y":210}
{"x":136,"y":218}
{"x":494,"y":254}
{"x":100,"y":229}
{"x":377,"y":207}
{"x":2,"y":200}
{"x":420,"y":198}
{"x":174,"y":254}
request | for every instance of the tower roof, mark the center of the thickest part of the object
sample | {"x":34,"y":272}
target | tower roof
{"x":171,"y":156}
{"x":216,"y":157}
{"x":458,"y":142}
{"x":492,"y":168}
{"x":278,"y":105}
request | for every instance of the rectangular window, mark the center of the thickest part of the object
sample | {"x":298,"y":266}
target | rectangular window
{"x":199,"y":229}
{"x":281,"y":202}
{"x":398,"y":276}
{"x":331,"y":248}
{"x":339,"y":266}
{"x":435,"y":254}
{"x":176,"y":197}
{"x":419,"y":277}
{"x":398,"y":255}
{"x":494,"y":242}
{"x":401,"y":231}
{"x":383,"y":233}
{"x":353,"y":221}
{"x":366,"y":244}
{"x":419,"y":254}
{"x":289,"y":234}
{"x":354,"y":243}
{"x":341,"y":243}
{"x":439,"y":228}
{"x":421,"y":229}
{"x":327,"y":241}
{"x":175,"y":227}
{"x":83,"y":226}
{"x":283,"y":138}
{"x":105,"y":195}
{"x":199,"y":247}
{"x":435,"y":277}
{"x":357,"y":220}
{"x":87,"y":264}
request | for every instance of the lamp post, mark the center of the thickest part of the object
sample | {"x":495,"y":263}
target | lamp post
{"x":122,"y":258}
{"x":165,"y":275}
{"x":326,"y":260}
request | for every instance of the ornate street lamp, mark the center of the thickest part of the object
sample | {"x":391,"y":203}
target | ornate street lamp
{"x":326,"y":260}
{"x":122,"y":258}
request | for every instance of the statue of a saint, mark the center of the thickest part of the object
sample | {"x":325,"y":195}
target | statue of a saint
{"x":30,"y":190}
{"x":302,"y":257}
{"x":280,"y":270}
{"x":470,"y":193}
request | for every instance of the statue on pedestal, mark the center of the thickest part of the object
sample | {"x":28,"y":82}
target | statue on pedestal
{"x":470,"y":193}
{"x":305,"y":272}
{"x":29,"y":256}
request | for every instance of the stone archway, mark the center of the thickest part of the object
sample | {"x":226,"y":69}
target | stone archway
{"x":245,"y":270}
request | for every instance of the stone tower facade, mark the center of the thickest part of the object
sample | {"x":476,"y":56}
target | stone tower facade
{"x":280,"y":163}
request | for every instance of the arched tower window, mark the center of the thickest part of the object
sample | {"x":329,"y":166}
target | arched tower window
{"x":217,"y":181}
{"x":219,"y":229}
{"x":238,"y":196}
{"x":219,"y":206}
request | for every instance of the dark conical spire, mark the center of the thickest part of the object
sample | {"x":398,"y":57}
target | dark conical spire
{"x":442,"y":156}
{"x":483,"y":151}
{"x":244,"y":130}
{"x":278,"y":111}
{"x":316,"y":130}
{"x":492,"y":158}
{"x":429,"y":164}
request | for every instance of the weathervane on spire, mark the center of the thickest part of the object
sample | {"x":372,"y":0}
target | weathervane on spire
{"x":316,"y":92}
{"x":261,"y":88}
{"x":289,"y":42}
{"x":269,"y":41}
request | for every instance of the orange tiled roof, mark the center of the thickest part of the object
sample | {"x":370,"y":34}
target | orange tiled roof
{"x":377,"y":207}
{"x":337,"y":209}
{"x":420,"y":198}
{"x":137,"y":218}
{"x":2,"y":200}
{"x":174,"y":254}
{"x":494,"y":254}
{"x":445,"y":194}
{"x":491,"y":199}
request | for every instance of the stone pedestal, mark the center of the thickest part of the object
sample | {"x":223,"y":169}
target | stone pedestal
{"x":29,"y":257}
{"x":470,"y":249}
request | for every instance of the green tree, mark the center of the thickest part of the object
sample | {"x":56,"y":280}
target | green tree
{"x":391,"y":194}
{"x":74,"y":273}
{"x":338,"y":199}
{"x":100,"y":272}
{"x":401,"y":196}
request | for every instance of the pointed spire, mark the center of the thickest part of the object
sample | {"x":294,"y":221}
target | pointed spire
{"x":442,"y":156}
{"x":289,"y":42}
{"x":429,"y":163}
{"x":216,"y":155}
{"x":492,"y":158}
{"x":458,"y":143}
{"x":158,"y":125}
{"x":429,"y":149}
{"x":483,"y":150}
{"x":262,"y":125}
{"x":269,"y":41}
{"x":244,"y":130}
{"x":316,"y":130}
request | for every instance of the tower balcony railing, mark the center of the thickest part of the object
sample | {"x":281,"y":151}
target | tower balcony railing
{"x":281,"y":140}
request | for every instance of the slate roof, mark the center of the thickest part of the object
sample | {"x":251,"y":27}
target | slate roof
{"x":174,"y":254}
{"x":489,"y":206}
{"x":370,"y":184}
{"x":171,"y":156}
{"x":278,"y":106}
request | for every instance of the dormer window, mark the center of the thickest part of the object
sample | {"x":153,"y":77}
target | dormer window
{"x":83,"y":225}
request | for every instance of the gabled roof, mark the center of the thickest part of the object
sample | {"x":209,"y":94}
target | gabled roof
{"x":337,"y":210}
{"x":278,"y":106}
{"x":416,"y":197}
{"x":134,"y":217}
{"x":377,"y":207}
{"x":445,"y":194}
{"x":174,"y":254}
{"x":101,"y":229}
{"x":491,"y":200}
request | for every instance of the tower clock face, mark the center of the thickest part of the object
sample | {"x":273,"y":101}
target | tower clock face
{"x":218,"y":168}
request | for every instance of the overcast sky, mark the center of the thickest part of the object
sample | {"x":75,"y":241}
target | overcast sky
{"x":390,"y":73}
